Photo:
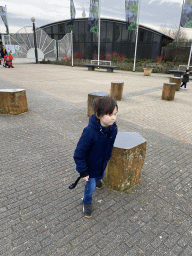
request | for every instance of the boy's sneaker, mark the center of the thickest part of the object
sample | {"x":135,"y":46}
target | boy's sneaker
{"x":181,"y":87}
{"x":186,"y":88}
{"x":99,"y":184}
{"x":87,"y":210}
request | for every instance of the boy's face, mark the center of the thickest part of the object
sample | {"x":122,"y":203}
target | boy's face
{"x":107,"y":120}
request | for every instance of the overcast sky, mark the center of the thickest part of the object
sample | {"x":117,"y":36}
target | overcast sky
{"x":153,"y":13}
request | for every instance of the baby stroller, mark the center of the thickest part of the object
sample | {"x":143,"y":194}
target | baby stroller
{"x":7,"y":62}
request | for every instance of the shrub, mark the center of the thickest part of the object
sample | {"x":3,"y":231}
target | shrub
{"x":66,"y":57}
{"x":77,"y":55}
{"x":169,"y":63}
{"x":115,"y":60}
{"x":159,"y":59}
{"x":128,"y":60}
{"x":114,"y":56}
{"x":95,"y":56}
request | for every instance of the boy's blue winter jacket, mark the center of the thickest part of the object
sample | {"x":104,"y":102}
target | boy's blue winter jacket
{"x":94,"y":148}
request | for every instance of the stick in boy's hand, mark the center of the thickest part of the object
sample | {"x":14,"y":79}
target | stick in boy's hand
{"x":84,"y":176}
{"x":73,"y":185}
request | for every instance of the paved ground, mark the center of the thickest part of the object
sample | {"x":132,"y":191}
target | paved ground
{"x":39,"y":215}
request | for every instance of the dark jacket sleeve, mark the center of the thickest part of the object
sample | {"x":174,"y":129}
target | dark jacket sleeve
{"x":81,"y":151}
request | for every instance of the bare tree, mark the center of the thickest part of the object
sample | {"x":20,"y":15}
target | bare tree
{"x":173,"y":32}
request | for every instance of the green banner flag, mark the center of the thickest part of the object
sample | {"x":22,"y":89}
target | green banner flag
{"x":93,"y":16}
{"x":186,"y":15}
{"x":131,"y":11}
{"x":4,"y":18}
{"x":72,"y":13}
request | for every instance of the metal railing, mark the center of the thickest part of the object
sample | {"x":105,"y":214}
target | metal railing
{"x":103,"y":62}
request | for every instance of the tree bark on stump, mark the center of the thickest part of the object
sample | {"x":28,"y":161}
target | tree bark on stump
{"x":91,"y":97}
{"x":116,"y":90}
{"x":13,"y":101}
{"x":168,"y":92}
{"x":176,"y":80}
{"x":124,"y":167}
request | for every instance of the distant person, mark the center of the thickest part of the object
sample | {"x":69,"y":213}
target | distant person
{"x":95,"y":146}
{"x":10,"y":57}
{"x":185,"y":80}
{"x":3,"y":53}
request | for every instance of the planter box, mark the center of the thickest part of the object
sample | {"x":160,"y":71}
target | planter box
{"x":147,"y":71}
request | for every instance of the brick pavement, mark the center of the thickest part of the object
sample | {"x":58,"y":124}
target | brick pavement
{"x":41,"y":216}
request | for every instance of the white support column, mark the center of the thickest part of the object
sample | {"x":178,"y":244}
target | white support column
{"x":189,"y":57}
{"x":135,"y":56}
{"x":7,"y":24}
{"x":71,"y":48}
{"x":179,"y":24}
{"x":99,"y":31}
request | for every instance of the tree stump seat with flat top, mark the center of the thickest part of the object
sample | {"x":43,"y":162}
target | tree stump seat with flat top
{"x":91,"y":97}
{"x":124,"y":167}
{"x":177,"y":80}
{"x":13,"y":101}
{"x":168,"y":92}
{"x":116,"y":90}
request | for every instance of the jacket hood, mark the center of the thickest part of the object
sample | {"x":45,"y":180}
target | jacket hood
{"x":97,"y":126}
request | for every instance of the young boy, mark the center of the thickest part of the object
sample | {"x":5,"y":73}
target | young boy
{"x":10,"y":57}
{"x":95,"y":146}
{"x":185,"y":80}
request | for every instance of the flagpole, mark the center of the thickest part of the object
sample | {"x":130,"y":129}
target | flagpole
{"x":135,"y":56}
{"x":179,"y":24}
{"x":189,"y":58}
{"x":72,"y":48}
{"x":7,"y":23}
{"x":99,"y":31}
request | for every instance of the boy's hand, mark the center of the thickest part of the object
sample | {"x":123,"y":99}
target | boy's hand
{"x":86,"y":178}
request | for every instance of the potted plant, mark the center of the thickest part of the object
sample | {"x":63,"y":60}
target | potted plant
{"x":147,"y":70}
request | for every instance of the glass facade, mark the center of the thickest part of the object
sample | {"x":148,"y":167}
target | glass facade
{"x":114,"y":38}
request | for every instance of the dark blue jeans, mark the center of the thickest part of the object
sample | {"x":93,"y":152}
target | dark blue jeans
{"x":185,"y":84}
{"x":90,"y":188}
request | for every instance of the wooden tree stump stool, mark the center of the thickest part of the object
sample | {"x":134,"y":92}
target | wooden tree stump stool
{"x":168,"y":92}
{"x":116,"y":90}
{"x":124,"y":167}
{"x":177,"y":80}
{"x":13,"y":101}
{"x":91,"y":97}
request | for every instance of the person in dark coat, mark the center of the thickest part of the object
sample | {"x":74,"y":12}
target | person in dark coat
{"x":3,"y":53}
{"x":95,"y":146}
{"x":185,"y":80}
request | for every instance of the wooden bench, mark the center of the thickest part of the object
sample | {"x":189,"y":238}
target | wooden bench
{"x":91,"y":67}
{"x":13,"y":101}
{"x":124,"y":167}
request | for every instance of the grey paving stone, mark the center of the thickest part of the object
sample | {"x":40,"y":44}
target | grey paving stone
{"x":40,"y":216}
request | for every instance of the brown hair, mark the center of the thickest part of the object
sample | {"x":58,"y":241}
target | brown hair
{"x":104,"y":106}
